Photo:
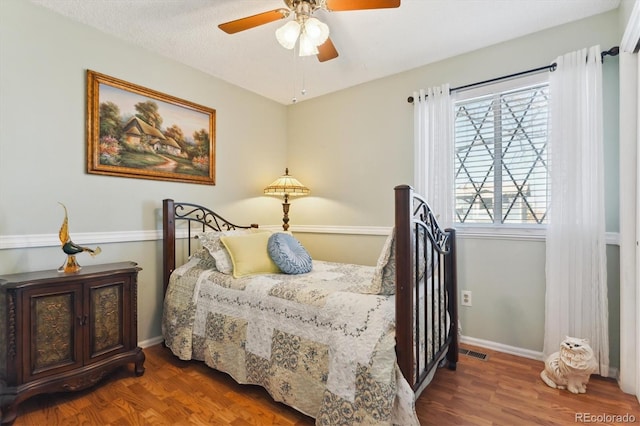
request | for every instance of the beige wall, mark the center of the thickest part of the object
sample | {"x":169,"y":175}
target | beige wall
{"x":43,"y":61}
{"x":351,"y":148}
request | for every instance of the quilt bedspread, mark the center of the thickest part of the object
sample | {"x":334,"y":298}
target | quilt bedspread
{"x":317,"y":342}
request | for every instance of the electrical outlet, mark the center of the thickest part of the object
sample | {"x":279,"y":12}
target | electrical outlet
{"x":466,"y":298}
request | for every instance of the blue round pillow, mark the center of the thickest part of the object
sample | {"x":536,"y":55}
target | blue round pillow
{"x":288,"y":254}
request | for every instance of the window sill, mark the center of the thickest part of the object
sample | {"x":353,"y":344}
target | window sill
{"x":517,"y":233}
{"x":532,"y":233}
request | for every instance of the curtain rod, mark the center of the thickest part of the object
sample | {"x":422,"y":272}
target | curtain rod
{"x":612,"y":52}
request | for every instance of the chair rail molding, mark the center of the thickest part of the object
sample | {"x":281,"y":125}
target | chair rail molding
{"x":52,"y":240}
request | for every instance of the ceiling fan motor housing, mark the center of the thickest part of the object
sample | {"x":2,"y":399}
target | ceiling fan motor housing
{"x":303,"y":9}
{"x":310,"y":4}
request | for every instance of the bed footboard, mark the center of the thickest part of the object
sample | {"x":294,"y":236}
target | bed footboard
{"x":426,"y":289}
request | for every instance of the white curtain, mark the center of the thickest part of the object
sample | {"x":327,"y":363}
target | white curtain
{"x":433,"y":150}
{"x":576,"y":294}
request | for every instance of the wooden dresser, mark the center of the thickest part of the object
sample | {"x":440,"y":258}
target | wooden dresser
{"x":65,"y":332}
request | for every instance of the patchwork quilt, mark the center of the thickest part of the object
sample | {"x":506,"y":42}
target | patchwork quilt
{"x":317,"y":342}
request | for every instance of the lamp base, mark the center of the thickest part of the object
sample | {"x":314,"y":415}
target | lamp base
{"x":285,"y":218}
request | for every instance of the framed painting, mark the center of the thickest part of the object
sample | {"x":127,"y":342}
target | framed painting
{"x":137,"y":132}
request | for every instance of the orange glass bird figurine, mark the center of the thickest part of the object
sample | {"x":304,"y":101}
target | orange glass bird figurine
{"x":70,"y":248}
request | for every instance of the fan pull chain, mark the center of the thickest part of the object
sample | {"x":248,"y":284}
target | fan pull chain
{"x":294,"y":99}
{"x":304,"y":90}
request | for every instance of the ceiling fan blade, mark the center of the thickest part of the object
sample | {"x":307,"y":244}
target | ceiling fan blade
{"x":341,"y":5}
{"x":252,"y":21}
{"x":327,"y":51}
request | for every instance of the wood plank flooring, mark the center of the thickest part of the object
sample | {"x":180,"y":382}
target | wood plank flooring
{"x":507,"y":390}
{"x":504,"y":390}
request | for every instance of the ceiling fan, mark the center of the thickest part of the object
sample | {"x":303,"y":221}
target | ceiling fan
{"x":311,"y":34}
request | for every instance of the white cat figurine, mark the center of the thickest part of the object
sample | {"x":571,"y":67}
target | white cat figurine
{"x":571,"y":367}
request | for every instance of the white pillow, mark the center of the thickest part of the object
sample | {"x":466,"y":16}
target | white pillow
{"x":223,"y":261}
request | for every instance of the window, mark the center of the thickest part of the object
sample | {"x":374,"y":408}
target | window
{"x":501,"y":167}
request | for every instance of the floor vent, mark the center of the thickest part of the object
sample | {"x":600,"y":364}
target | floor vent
{"x":474,"y":354}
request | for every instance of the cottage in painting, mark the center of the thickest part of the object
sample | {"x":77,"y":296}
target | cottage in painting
{"x":138,"y":133}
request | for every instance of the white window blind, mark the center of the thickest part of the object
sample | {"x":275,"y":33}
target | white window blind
{"x":501,"y":167}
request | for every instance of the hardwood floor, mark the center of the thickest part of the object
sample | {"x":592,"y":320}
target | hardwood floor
{"x":504,"y":390}
{"x":507,"y":390}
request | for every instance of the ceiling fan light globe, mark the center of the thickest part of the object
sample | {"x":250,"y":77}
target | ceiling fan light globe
{"x":307,"y":47}
{"x":288,"y":34}
{"x":316,"y":30}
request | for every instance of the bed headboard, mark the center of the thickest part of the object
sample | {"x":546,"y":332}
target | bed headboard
{"x":197,"y":219}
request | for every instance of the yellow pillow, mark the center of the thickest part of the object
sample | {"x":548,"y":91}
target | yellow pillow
{"x":249,"y":254}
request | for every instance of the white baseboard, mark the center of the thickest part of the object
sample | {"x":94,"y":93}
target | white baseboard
{"x":500,"y":347}
{"x":151,"y":342}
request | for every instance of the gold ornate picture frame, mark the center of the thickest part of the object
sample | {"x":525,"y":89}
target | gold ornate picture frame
{"x":140,"y":133}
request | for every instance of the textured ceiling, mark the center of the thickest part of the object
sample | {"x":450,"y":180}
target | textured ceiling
{"x":371,"y":43}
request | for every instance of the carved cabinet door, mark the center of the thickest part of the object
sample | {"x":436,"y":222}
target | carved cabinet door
{"x":108,"y":314}
{"x":53,"y":321}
